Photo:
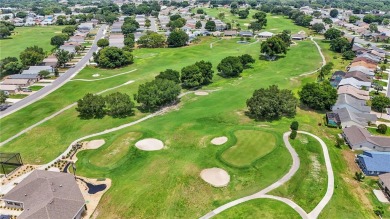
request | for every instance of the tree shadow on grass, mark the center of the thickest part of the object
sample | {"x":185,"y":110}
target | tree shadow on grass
{"x":273,"y":58}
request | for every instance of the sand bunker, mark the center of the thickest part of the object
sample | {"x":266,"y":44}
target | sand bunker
{"x":150,"y":144}
{"x":201,"y":93}
{"x":94,"y":144}
{"x":95,"y":75}
{"x":219,"y":140}
{"x":215,"y":176}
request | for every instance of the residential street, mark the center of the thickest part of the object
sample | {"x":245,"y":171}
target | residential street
{"x":57,"y":83}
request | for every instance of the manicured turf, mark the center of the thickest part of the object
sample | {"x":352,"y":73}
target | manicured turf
{"x":374,"y":131}
{"x":259,"y":208}
{"x":18,"y":96}
{"x":250,"y":146}
{"x":36,"y":88}
{"x":275,"y":23}
{"x":145,"y":183}
{"x":28,"y":36}
{"x":116,"y":150}
{"x":308,"y":185}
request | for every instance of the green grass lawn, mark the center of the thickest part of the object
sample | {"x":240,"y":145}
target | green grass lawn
{"x":28,"y":36}
{"x":17,"y":96}
{"x":36,"y":87}
{"x":250,"y":146}
{"x":259,"y":208}
{"x":374,"y":131}
{"x":308,"y":185}
{"x":166,"y":183}
{"x":275,"y":23}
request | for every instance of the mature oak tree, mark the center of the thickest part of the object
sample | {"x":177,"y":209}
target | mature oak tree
{"x":318,"y":96}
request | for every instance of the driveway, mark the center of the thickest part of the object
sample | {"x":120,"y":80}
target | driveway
{"x":58,"y":82}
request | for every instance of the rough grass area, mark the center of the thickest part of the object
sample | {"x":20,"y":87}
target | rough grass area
{"x":23,"y":37}
{"x":260,"y":208}
{"x":250,"y":146}
{"x":308,"y":185}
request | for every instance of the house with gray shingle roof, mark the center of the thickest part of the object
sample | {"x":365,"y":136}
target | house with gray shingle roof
{"x":355,"y":83}
{"x":362,"y":69}
{"x":360,"y":139}
{"x":347,"y":118}
{"x":351,"y":103}
{"x":46,"y":194}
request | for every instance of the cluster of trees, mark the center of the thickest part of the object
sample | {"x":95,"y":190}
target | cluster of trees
{"x":113,"y":57}
{"x":148,"y":8}
{"x":130,"y":25}
{"x":5,"y":29}
{"x":233,"y":66}
{"x":117,"y":105}
{"x":272,"y":103}
{"x":177,"y":38}
{"x":325,"y":70}
{"x":380,"y":103}
{"x":294,"y":128}
{"x":10,"y":65}
{"x":197,"y":75}
{"x":63,"y":57}
{"x":276,"y":45}
{"x":338,"y":43}
{"x":176,"y":21}
{"x":158,"y":93}
{"x":318,"y":96}
{"x":59,"y":40}
{"x":261,"y":21}
{"x":151,"y":40}
{"x":210,"y":26}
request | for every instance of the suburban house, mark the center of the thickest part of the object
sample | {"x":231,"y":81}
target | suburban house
{"x":117,"y":40}
{"x":69,"y":48}
{"x":337,"y":76}
{"x":352,"y":91}
{"x":364,"y":59}
{"x":346,"y":118}
{"x":85,"y":27}
{"x":230,"y":33}
{"x":50,"y":61}
{"x":18,"y":82}
{"x":33,"y":77}
{"x":46,"y":194}
{"x":370,"y":57}
{"x":355,"y":83}
{"x":353,"y":104}
{"x":360,"y":139}
{"x":299,"y":36}
{"x":117,"y":27}
{"x":42,"y":68}
{"x":265,"y":34}
{"x":369,"y":65}
{"x":9,"y":89}
{"x":246,"y":34}
{"x":374,"y":163}
{"x":358,"y":76}
{"x":384,"y":183}
{"x":362,"y":69}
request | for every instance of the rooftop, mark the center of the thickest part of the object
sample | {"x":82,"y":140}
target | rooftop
{"x":47,"y":194}
{"x":376,"y":161}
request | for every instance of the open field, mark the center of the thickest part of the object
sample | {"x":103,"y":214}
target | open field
{"x":145,"y":183}
{"x":259,"y":208}
{"x":308,"y":185}
{"x":275,"y":24}
{"x":28,"y":36}
{"x":250,"y":146}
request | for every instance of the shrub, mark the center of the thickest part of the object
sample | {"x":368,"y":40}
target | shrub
{"x":293,"y":134}
{"x":382,"y":128}
{"x":294,"y":125}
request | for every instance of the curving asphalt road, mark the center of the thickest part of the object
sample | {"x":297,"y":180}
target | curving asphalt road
{"x":58,"y":82}
{"x":294,"y":168}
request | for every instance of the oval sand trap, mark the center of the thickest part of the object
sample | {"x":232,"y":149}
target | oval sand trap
{"x":94,"y":144}
{"x":201,"y":93}
{"x":216,"y":177}
{"x":219,"y":141}
{"x":149,"y":144}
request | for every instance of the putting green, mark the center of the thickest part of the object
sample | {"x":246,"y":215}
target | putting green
{"x":251,"y":145}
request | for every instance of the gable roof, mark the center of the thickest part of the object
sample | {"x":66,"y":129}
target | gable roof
{"x":376,"y":161}
{"x":385,"y":178}
{"x":346,"y":116}
{"x":24,"y":76}
{"x":369,"y":65}
{"x":364,"y":59}
{"x":355,"y":83}
{"x":358,"y":135}
{"x":352,"y":103}
{"x":47,"y":194}
{"x":16,"y":81}
{"x":358,"y":75}
{"x":353,"y":91}
{"x":362,"y":69}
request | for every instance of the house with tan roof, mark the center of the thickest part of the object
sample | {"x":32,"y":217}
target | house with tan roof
{"x":45,"y":194}
{"x":360,"y":139}
{"x":358,"y":76}
{"x":352,"y":91}
{"x":18,"y":82}
{"x":369,"y":65}
{"x":384,"y":183}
